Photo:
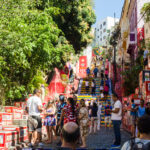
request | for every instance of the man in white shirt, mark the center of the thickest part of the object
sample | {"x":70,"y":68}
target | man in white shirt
{"x":34,"y":108}
{"x":116,"y":117}
{"x":143,"y":125}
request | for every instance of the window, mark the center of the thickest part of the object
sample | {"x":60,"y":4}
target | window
{"x":101,"y":39}
{"x":104,"y":37}
{"x":104,"y":23}
{"x":104,"y":30}
{"x":101,"y":33}
{"x":97,"y":36}
{"x":97,"y":29}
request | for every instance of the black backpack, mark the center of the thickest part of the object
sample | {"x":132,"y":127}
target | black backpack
{"x":139,"y":145}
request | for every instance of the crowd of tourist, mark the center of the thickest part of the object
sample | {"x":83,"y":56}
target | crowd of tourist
{"x":104,"y":84}
{"x":73,"y":122}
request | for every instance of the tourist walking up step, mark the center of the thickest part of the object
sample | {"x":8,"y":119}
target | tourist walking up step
{"x":116,"y":118}
{"x":99,"y":115}
{"x":95,"y":71}
{"x":50,"y":121}
{"x":93,"y":87}
{"x":102,"y":86}
{"x":34,"y":108}
{"x":108,"y":109}
{"x":88,"y":72}
{"x":84,"y":122}
{"x":93,"y":125}
{"x":87,"y":86}
{"x":106,"y":72}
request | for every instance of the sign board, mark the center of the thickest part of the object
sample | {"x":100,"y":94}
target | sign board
{"x":82,"y":66}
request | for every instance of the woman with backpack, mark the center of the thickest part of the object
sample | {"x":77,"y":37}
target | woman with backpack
{"x":143,"y":142}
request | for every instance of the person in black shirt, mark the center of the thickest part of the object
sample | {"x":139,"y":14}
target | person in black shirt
{"x":94,"y":110}
{"x":148,"y":108}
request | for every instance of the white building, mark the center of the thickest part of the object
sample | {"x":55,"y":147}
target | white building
{"x":102,"y":30}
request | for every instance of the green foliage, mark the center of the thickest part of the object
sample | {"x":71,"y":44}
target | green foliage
{"x":115,"y":35}
{"x":34,"y":39}
{"x":131,"y":76}
{"x":74,"y":18}
{"x":145,"y":11}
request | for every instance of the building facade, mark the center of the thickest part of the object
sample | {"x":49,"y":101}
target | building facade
{"x":147,"y":34}
{"x":103,"y":29}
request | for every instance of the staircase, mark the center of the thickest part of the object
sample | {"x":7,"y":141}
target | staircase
{"x":83,"y":95}
{"x":82,"y":90}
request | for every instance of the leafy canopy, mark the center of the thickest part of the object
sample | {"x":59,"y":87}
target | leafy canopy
{"x":37,"y":36}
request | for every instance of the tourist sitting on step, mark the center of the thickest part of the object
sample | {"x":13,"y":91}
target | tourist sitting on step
{"x":87,"y":86}
{"x":93,"y":87}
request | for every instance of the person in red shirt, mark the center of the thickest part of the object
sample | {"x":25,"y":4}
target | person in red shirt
{"x":70,"y":111}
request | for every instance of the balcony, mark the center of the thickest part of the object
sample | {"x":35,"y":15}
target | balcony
{"x":131,"y":42}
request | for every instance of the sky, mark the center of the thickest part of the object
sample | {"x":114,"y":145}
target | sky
{"x":104,"y":8}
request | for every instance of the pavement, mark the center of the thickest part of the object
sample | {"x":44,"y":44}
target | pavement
{"x":101,"y":140}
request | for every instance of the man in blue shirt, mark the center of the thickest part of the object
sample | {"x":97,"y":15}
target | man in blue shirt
{"x":95,"y":71}
{"x":141,"y":109}
{"x":88,"y":71}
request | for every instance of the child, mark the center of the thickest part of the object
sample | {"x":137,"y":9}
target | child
{"x":50,"y":121}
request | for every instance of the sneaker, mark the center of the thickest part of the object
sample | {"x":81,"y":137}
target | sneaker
{"x":40,"y":144}
{"x":115,"y":146}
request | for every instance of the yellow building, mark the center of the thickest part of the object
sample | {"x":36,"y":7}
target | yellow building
{"x":122,"y":54}
{"x":147,"y":33}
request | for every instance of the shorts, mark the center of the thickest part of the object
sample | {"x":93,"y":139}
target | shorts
{"x":50,"y":121}
{"x":34,"y":123}
{"x":108,"y":119}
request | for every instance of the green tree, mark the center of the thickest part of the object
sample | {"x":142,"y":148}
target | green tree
{"x":37,"y":36}
{"x":28,"y":47}
{"x":145,"y":11}
{"x":75,"y":19}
